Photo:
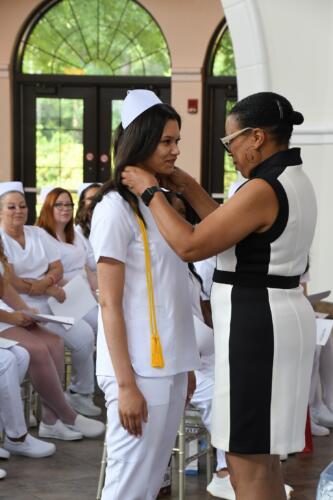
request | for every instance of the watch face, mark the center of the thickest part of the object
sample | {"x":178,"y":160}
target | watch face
{"x":148,"y":194}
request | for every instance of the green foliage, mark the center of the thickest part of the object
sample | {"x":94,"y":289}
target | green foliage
{"x":223,"y":58}
{"x":59,"y":142}
{"x":96,"y":37}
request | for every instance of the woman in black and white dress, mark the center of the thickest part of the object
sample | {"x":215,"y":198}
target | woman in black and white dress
{"x":264,"y":326}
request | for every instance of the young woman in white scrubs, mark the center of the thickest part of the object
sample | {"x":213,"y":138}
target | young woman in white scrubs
{"x":34,"y":271}
{"x":145,"y":397}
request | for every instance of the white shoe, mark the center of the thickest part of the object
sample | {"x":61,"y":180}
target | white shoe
{"x":30,"y":447}
{"x":318,"y":430}
{"x":288,"y":489}
{"x":221,"y":487}
{"x":59,"y":430}
{"x":87,"y":426}
{"x":322,"y":416}
{"x":283,"y":458}
{"x":3,"y":473}
{"x":4,"y":454}
{"x":83,"y":403}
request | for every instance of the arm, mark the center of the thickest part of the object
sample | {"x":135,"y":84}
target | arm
{"x":51,"y":278}
{"x":92,"y":278}
{"x":132,"y":405}
{"x":253,"y":209}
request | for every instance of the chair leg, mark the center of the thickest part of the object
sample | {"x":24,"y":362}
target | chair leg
{"x":101,"y":479}
{"x":181,"y":459}
{"x":209,"y":459}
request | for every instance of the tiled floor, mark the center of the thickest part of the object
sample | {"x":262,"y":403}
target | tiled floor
{"x":72,"y":474}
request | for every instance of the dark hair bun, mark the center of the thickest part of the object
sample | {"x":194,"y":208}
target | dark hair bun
{"x":296,"y":118}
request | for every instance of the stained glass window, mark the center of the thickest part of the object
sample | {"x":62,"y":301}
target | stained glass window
{"x":96,"y":37}
{"x":223,"y":61}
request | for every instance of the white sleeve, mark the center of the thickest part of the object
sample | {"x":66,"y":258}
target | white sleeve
{"x":205,"y":269}
{"x":111,"y":229}
{"x":50,"y":246}
{"x":90,"y":258}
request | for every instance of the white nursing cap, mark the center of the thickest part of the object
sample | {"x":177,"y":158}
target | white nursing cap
{"x":84,"y":186}
{"x":6,"y":187}
{"x":44,"y":192}
{"x":135,"y":103}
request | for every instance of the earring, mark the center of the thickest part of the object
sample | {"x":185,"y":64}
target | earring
{"x":253,"y":156}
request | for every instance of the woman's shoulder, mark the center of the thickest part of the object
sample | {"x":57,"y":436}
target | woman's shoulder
{"x":113,"y":201}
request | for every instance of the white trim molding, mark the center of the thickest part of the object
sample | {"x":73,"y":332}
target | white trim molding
{"x":4,"y":71}
{"x":313,"y":135}
{"x":186,"y":74}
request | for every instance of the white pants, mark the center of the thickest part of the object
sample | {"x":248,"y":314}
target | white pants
{"x":80,"y":340}
{"x":136,"y":466}
{"x":321,"y":389}
{"x":14,"y":363}
{"x":92,"y":319}
{"x":202,"y":399}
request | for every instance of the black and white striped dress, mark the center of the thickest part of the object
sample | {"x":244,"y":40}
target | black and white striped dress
{"x":264,"y":326}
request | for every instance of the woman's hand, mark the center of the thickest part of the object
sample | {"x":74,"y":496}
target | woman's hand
{"x":191,"y":386}
{"x":57,"y":292}
{"x":138,"y":180}
{"x":178,"y":181}
{"x":20,"y":319}
{"x":39,"y":287}
{"x":132,"y":409}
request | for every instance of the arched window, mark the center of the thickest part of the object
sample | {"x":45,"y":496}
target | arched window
{"x":75,"y":62}
{"x":96,"y":37}
{"x":218,"y":171}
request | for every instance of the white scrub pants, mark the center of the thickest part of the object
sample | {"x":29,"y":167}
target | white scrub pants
{"x":80,"y":340}
{"x":14,"y":363}
{"x":202,"y":400}
{"x":136,"y":466}
{"x":322,"y":376}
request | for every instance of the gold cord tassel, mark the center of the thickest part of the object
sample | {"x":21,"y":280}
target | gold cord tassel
{"x":157,"y":360}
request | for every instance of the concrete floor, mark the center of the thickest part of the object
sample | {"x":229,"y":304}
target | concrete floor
{"x":72,"y":473}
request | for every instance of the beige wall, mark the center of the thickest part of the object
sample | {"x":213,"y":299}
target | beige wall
{"x":188,"y":26}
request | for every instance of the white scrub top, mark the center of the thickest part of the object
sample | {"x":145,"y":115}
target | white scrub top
{"x":205,"y":269}
{"x":73,"y":256}
{"x":89,"y":250}
{"x":116,"y":234}
{"x":33,"y":260}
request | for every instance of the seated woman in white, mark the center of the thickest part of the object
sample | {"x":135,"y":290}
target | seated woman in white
{"x":35,"y":270}
{"x":56,"y":218}
{"x":46,"y":367}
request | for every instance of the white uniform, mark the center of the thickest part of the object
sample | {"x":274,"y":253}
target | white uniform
{"x":136,"y":466}
{"x":91,"y":262}
{"x":14,"y":363}
{"x":74,"y":258}
{"x":33,"y":261}
{"x":203,"y":395}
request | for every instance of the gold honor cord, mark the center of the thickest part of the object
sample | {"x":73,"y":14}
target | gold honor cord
{"x":157,"y":360}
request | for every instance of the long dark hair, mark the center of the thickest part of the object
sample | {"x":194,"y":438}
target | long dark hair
{"x":83,"y":213}
{"x":134,"y":145}
{"x":270,"y":111}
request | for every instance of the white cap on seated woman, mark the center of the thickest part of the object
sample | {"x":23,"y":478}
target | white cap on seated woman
{"x":11,"y":186}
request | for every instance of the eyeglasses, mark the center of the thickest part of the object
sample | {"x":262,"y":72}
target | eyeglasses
{"x":64,"y":206}
{"x":226,"y":141}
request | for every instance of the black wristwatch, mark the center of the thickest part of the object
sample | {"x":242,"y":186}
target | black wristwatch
{"x":148,"y":194}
